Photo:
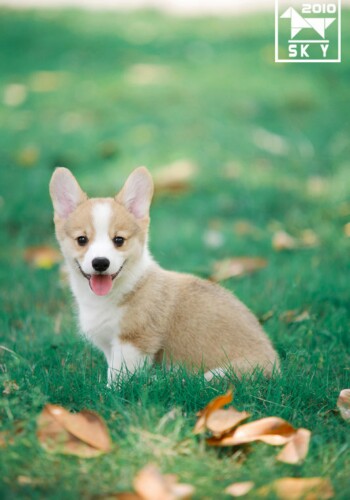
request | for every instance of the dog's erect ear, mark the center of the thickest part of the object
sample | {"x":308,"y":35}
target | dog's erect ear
{"x":65,"y":192}
{"x":137,"y":193}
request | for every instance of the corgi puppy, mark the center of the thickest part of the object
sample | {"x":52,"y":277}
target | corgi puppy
{"x":131,"y":308}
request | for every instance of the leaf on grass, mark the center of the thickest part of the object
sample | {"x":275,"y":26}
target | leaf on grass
{"x":347,"y":230}
{"x":151,"y":484}
{"x":46,"y":81}
{"x":221,"y":421}
{"x":309,"y":238}
{"x":28,"y":156}
{"x":308,"y":488}
{"x":237,"y":266}
{"x":283,"y":241}
{"x":149,"y":74}
{"x":10,"y":386}
{"x":296,"y":450}
{"x":15,"y":94}
{"x":343,"y":404}
{"x":293,"y":316}
{"x":176,"y":177}
{"x":84,"y":434}
{"x":271,"y":430}
{"x":239,"y":489}
{"x":213,"y":405}
{"x":42,"y":257}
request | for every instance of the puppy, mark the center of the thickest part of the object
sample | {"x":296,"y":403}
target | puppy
{"x":131,"y":308}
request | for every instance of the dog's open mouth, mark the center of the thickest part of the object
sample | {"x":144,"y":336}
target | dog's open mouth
{"x":101,"y":284}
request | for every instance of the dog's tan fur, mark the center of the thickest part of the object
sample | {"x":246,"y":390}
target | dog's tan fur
{"x":169,"y":315}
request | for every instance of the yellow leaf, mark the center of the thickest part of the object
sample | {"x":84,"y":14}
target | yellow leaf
{"x":221,"y":421}
{"x":271,"y":430}
{"x":215,"y":404}
{"x":237,"y":266}
{"x":343,"y":404}
{"x":239,"y":489}
{"x":283,"y":241}
{"x":309,"y":488}
{"x":176,"y":177}
{"x":296,"y":450}
{"x":84,"y":434}
{"x":151,"y":484}
{"x":42,"y":257}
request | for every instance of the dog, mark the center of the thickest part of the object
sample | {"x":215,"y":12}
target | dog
{"x":132,"y":309}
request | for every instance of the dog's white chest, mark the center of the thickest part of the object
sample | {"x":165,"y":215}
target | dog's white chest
{"x":100,"y":321}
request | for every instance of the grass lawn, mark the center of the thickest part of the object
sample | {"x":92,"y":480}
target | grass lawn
{"x":103,"y":93}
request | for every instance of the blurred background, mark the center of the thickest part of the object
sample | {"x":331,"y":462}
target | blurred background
{"x":251,"y":160}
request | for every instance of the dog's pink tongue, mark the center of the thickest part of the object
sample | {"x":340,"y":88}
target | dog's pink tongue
{"x":101,"y":284}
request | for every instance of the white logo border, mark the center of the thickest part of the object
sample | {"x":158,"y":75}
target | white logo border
{"x":277,"y":60}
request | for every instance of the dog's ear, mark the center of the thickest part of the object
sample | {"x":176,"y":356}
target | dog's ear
{"x":65,"y":192}
{"x":137,"y":193}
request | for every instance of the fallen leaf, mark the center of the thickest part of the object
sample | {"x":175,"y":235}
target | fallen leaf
{"x":151,"y":484}
{"x":293,"y":316}
{"x":244,"y":227}
{"x":149,"y":74}
{"x":46,"y":81}
{"x":213,"y":405}
{"x":43,"y":257}
{"x":343,"y":404}
{"x":347,"y":230}
{"x":308,"y":488}
{"x":237,"y":266}
{"x":296,"y":450}
{"x":10,"y":386}
{"x":283,"y":241}
{"x":222,"y":421}
{"x":28,"y":156}
{"x":317,"y":186}
{"x":309,"y":238}
{"x":84,"y":434}
{"x":15,"y":94}
{"x":271,"y":430}
{"x":239,"y":489}
{"x":175,"y":177}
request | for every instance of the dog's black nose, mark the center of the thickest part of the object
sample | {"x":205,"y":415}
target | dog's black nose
{"x":100,"y":264}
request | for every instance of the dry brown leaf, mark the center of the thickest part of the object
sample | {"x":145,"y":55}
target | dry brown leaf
{"x":213,"y":405}
{"x":283,"y":241}
{"x":222,"y":421}
{"x":28,"y":156}
{"x":84,"y":434}
{"x":175,"y":177}
{"x":308,"y":488}
{"x":10,"y":386}
{"x":237,"y":266}
{"x":151,"y":484}
{"x":296,"y":450}
{"x":293,"y":316}
{"x":239,"y":489}
{"x":309,"y":238}
{"x":43,"y":257}
{"x":271,"y":430}
{"x":343,"y":404}
{"x":244,"y":227}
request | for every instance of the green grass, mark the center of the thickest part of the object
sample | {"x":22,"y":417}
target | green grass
{"x":217,"y":87}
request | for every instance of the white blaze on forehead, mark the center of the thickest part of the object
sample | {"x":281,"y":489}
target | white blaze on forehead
{"x":101,"y":218}
{"x":101,"y":245}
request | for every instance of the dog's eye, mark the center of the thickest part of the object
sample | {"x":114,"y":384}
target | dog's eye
{"x":118,"y":241}
{"x":82,"y":241}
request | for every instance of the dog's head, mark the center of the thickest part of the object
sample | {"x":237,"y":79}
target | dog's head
{"x":101,"y":237}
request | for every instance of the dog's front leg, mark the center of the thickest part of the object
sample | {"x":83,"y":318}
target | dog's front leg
{"x":123,"y":358}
